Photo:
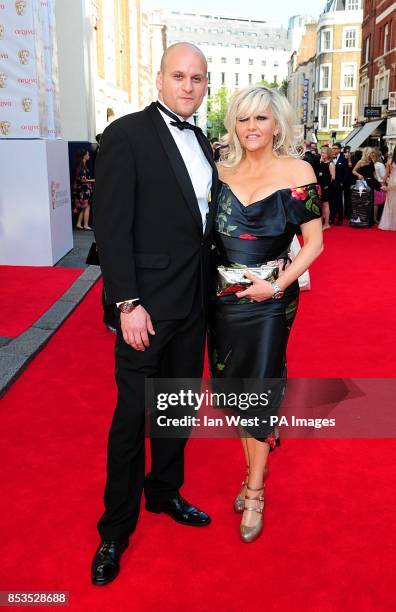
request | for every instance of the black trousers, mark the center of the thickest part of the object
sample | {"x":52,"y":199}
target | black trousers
{"x":176,"y":351}
{"x":336,"y":203}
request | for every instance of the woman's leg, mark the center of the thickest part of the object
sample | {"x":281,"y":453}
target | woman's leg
{"x":258,"y":456}
{"x":86,"y":216}
{"x":79,"y":219}
{"x":326,"y":215}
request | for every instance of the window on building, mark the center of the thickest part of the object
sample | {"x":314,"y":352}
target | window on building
{"x":324,"y":77}
{"x":250,"y":62}
{"x":323,"y":115}
{"x":352,"y":5}
{"x":348,"y":76}
{"x":250,"y":79}
{"x":263,"y":77}
{"x":367,"y":50}
{"x":223,"y":78}
{"x":363,"y":98}
{"x":386,"y":37}
{"x":223,"y":60}
{"x":350,"y":39}
{"x":276,"y":64}
{"x":210,"y":60}
{"x":325,"y":40}
{"x":237,"y":60}
{"x":263,"y":62}
{"x":346,"y":114}
{"x":236,"y":79}
{"x":275,"y":78}
{"x":209,"y":78}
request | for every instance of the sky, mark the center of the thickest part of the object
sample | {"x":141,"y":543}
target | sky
{"x":271,"y":10}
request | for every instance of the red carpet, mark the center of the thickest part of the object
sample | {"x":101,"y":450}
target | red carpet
{"x":330,"y":538}
{"x":27,"y":292}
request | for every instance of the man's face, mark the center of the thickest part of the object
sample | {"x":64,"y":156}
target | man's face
{"x":182,"y":84}
{"x":336,"y":151}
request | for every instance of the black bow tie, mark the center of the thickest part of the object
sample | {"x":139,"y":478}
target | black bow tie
{"x":181,"y":125}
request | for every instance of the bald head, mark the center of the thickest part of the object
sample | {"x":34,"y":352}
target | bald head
{"x":182,"y":81}
{"x":183,"y":48}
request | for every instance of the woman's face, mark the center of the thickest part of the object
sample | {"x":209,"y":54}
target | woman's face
{"x":86,"y":157}
{"x":257,"y":131}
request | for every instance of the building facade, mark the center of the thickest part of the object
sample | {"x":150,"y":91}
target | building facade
{"x":122,"y":58}
{"x":300,"y":90}
{"x":377,"y":101}
{"x":337,"y":69}
{"x":240,"y":52}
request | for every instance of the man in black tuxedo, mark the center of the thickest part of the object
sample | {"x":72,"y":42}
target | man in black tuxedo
{"x":154,"y":210}
{"x":337,"y":186}
{"x":312,"y":158}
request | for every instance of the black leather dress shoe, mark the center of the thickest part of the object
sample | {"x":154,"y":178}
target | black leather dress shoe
{"x":180,"y":510}
{"x":106,"y":562}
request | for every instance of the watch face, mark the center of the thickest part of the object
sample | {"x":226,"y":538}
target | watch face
{"x":279,"y":295}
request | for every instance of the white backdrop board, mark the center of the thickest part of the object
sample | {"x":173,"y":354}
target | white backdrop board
{"x":35,"y":217}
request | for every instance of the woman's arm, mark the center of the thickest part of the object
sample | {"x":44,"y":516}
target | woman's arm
{"x":332,"y":170}
{"x":355,"y":170}
{"x":313,"y":246}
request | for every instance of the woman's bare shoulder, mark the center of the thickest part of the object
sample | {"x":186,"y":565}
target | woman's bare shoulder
{"x":299,"y":171}
{"x":223,"y":172}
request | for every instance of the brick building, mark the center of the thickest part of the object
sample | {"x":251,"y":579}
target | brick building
{"x":377,"y":96}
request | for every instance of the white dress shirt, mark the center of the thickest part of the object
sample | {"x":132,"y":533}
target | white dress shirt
{"x":198,"y":167}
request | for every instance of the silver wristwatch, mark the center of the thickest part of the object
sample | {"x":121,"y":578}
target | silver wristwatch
{"x":129,"y":306}
{"x":278,"y":293}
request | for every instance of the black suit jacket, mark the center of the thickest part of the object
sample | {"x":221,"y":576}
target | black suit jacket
{"x":148,"y":226}
{"x":314,"y":161}
{"x":341,"y":169}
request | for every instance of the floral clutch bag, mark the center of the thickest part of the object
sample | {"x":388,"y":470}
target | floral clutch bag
{"x":231,"y":280}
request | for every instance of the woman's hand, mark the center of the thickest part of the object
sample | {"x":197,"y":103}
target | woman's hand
{"x":258,"y":291}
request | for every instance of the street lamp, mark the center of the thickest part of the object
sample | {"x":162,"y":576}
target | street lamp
{"x":315,"y":127}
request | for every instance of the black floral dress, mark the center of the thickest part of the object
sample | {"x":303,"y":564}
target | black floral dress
{"x":247,"y":340}
{"x":82,"y":190}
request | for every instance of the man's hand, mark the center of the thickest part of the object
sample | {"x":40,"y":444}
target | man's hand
{"x":136,"y":326}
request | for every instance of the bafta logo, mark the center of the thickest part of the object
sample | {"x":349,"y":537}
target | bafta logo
{"x":27,"y":104}
{"x":5,"y":128}
{"x":23,"y":55}
{"x":20,"y":7}
{"x":1,"y":31}
{"x":3,"y":80}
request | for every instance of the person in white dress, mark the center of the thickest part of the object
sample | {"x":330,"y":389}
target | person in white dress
{"x":380,"y":175}
{"x":388,"y":219}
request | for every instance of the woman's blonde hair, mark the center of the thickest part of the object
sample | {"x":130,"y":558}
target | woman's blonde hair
{"x":366,"y":155}
{"x":327,"y":152}
{"x":255,"y":100}
{"x":376,"y":155}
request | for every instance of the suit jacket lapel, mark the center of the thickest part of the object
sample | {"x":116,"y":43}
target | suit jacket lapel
{"x":207,"y":149}
{"x":177,"y":163}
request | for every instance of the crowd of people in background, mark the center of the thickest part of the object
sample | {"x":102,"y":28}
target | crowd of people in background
{"x":338,"y":170}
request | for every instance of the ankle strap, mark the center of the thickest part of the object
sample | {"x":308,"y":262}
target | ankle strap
{"x":251,"y":488}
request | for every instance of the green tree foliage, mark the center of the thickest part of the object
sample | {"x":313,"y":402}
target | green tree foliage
{"x":217,"y":107}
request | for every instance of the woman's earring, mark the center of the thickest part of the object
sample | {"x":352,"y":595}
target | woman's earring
{"x":275,"y":142}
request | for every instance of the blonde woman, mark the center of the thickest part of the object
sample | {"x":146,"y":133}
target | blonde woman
{"x":365,"y":169}
{"x":266,"y":193}
{"x":326,"y":176}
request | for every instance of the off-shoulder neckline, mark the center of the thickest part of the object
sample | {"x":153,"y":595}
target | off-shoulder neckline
{"x":266,"y":197}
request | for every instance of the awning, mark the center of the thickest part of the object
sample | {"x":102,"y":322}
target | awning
{"x":351,"y":135}
{"x":363,"y":133}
